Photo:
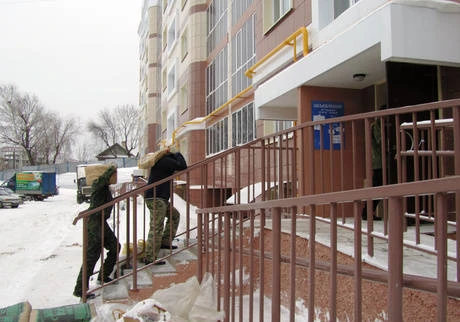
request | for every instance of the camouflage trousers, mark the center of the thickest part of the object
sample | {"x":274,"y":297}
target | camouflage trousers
{"x":94,"y":251}
{"x":159,"y":233}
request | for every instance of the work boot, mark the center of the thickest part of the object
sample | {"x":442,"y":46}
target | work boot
{"x":89,"y":296}
{"x":106,"y":279}
{"x":167,"y":246}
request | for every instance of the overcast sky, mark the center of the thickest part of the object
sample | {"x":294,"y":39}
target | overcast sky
{"x":77,"y":56}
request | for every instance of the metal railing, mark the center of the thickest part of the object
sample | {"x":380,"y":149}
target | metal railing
{"x":229,"y":257}
{"x":254,"y":200}
{"x":290,"y":41}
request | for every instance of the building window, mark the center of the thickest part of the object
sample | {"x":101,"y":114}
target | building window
{"x":164,"y":80}
{"x":341,"y":5}
{"x":243,"y":55}
{"x":172,"y":124}
{"x":238,"y":8}
{"x":164,"y":121}
{"x":164,"y":39}
{"x":216,"y":82}
{"x":329,"y":10}
{"x":283,"y":125}
{"x":217,"y":137}
{"x":184,"y":99}
{"x":167,"y":4}
{"x":172,"y":34}
{"x":184,"y":44}
{"x":271,"y":127}
{"x":217,"y":23}
{"x":280,"y":8}
{"x":243,"y":125}
{"x":274,"y":10}
{"x":172,"y":80}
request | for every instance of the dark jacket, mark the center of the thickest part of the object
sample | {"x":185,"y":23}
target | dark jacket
{"x":163,"y":168}
{"x":101,"y":193}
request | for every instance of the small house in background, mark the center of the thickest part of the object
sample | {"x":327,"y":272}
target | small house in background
{"x":115,"y":151}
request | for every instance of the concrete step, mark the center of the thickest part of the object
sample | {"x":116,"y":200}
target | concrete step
{"x":180,"y":257}
{"x":150,"y":278}
{"x":144,"y":278}
{"x":118,"y":292}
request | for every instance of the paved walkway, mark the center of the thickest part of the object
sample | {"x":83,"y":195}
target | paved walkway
{"x":415,"y":262}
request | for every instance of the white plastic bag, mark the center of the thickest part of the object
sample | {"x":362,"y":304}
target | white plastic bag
{"x":147,"y":310}
{"x":205,"y":307}
{"x":179,"y":298}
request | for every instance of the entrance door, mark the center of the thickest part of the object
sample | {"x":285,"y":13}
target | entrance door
{"x":409,"y":84}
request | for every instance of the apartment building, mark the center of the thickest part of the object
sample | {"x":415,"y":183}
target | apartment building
{"x":172,"y":84}
{"x":335,"y":58}
{"x":193,"y":57}
{"x":149,"y":32}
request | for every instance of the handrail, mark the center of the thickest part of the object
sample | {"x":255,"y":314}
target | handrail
{"x":218,"y":110}
{"x":290,"y":41}
{"x":432,"y":186}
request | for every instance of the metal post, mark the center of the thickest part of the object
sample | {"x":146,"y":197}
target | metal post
{"x":227,"y":265}
{"x":456,"y":136}
{"x":441,"y":236}
{"x":358,"y":261}
{"x":369,"y":183}
{"x":262,"y":265}
{"x":200,"y":246}
{"x":333,"y":273}
{"x":134,"y":241}
{"x":311,"y":270}
{"x":128,"y":212}
{"x":276,"y":264}
{"x":84,"y":267}
{"x":395,"y":259}
{"x":293,"y":256}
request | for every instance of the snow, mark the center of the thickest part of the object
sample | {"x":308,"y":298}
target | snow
{"x":40,"y":249}
{"x":41,"y":252}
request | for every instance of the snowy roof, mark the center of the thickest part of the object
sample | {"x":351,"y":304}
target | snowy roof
{"x":113,"y":152}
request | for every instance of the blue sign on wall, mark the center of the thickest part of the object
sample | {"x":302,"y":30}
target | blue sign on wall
{"x":325,"y":110}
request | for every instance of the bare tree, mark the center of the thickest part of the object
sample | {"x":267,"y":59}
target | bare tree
{"x":59,"y":134}
{"x":82,"y":152}
{"x":120,"y":125}
{"x":25,"y":123}
{"x":105,"y":128}
{"x":128,"y":126}
{"x":21,"y":119}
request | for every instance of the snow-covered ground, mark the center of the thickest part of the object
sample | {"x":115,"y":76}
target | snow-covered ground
{"x":41,"y":250}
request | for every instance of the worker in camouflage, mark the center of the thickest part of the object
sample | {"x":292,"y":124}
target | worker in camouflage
{"x":96,"y":229}
{"x":166,"y":162}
